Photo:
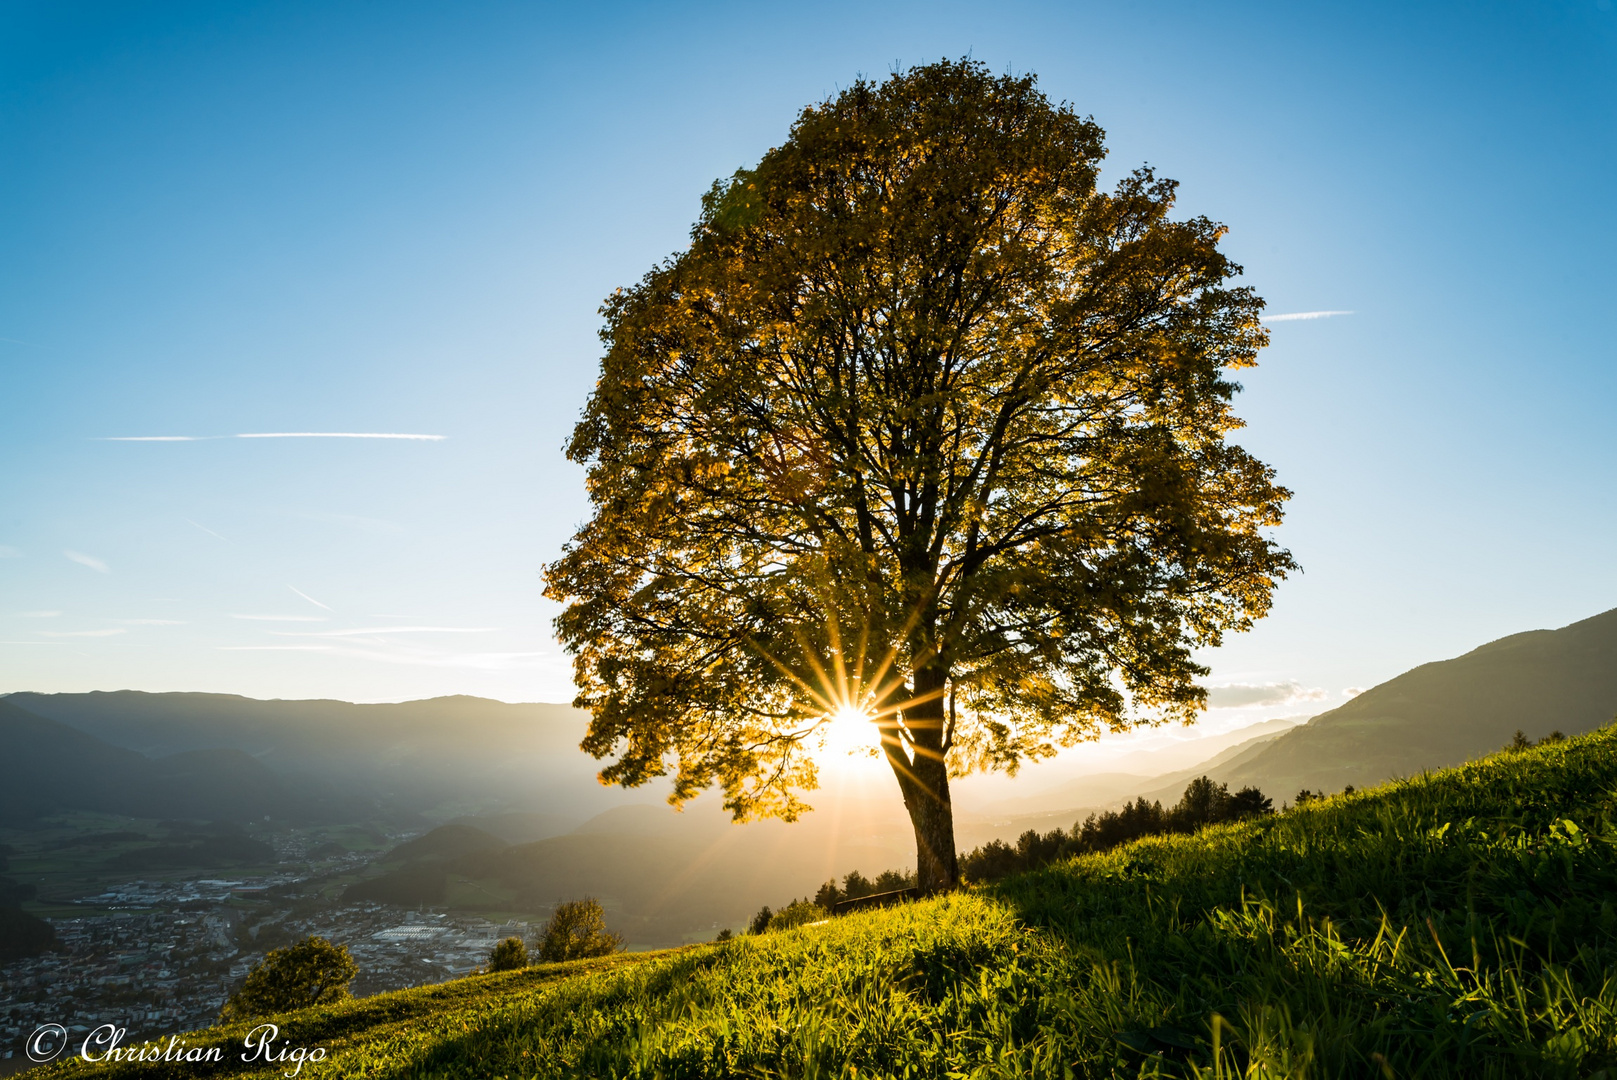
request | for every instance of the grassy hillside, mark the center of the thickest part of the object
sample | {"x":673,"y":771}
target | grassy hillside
{"x":1443,"y":713}
{"x":1456,"y":925}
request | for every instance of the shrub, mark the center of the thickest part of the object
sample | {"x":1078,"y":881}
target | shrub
{"x":509,"y":955}
{"x":760,"y":921}
{"x":577,"y":929}
{"x":312,"y":972}
{"x":797,"y":913}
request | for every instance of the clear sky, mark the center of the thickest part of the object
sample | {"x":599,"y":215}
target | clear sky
{"x":223,"y":219}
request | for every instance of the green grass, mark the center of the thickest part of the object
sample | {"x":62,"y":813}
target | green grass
{"x":1457,"y":925}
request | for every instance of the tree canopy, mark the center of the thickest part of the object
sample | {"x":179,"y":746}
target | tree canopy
{"x":509,"y":954}
{"x":924,"y":426}
{"x":312,"y":972}
{"x":576,"y":930}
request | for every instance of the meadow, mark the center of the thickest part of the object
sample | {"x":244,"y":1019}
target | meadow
{"x":1456,"y":924}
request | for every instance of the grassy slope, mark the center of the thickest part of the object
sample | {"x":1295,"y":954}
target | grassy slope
{"x":1460,"y":924}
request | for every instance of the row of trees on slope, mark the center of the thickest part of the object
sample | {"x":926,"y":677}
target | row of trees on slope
{"x":1205,"y":802}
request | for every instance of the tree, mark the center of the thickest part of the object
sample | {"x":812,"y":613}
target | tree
{"x":577,"y":929}
{"x":855,"y":885}
{"x":922,"y":427}
{"x":508,"y":955}
{"x":1250,"y":802}
{"x":312,"y":972}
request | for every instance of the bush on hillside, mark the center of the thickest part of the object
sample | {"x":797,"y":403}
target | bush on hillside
{"x":577,"y":929}
{"x":509,"y":955}
{"x":760,"y":921}
{"x":312,"y":972}
{"x":1522,"y":742}
{"x":24,"y":934}
{"x":16,"y":893}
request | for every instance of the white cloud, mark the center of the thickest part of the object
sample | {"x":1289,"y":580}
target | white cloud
{"x":1295,"y":316}
{"x":33,"y":643}
{"x":39,"y":614}
{"x":1352,"y":691}
{"x":1246,"y":695}
{"x":98,"y":565}
{"x":9,"y":552}
{"x":282,"y":618}
{"x":307,"y":597}
{"x":150,"y":622}
{"x":82,"y":633}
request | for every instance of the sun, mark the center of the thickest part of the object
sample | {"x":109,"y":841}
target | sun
{"x":849,"y":729}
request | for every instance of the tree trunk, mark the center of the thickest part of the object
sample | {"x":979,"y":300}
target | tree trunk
{"x":923,"y":778}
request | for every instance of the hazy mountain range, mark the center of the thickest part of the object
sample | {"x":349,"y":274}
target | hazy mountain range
{"x":531,"y":824}
{"x":1443,"y":713}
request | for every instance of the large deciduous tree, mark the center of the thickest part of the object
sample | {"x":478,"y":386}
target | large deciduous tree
{"x":926,"y":427}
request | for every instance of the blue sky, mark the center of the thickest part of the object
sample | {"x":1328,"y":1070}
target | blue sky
{"x":222,"y":219}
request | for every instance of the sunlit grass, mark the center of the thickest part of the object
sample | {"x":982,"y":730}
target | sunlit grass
{"x":1456,"y":925}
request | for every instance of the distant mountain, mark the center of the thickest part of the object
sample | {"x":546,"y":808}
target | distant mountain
{"x":1444,"y":713}
{"x":520,"y":828}
{"x":446,"y":841}
{"x":441,"y":757}
{"x":46,"y":766}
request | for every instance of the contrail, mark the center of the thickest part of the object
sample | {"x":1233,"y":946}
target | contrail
{"x":98,"y":565}
{"x":307,"y":597}
{"x":1296,"y":315}
{"x":205,"y":529}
